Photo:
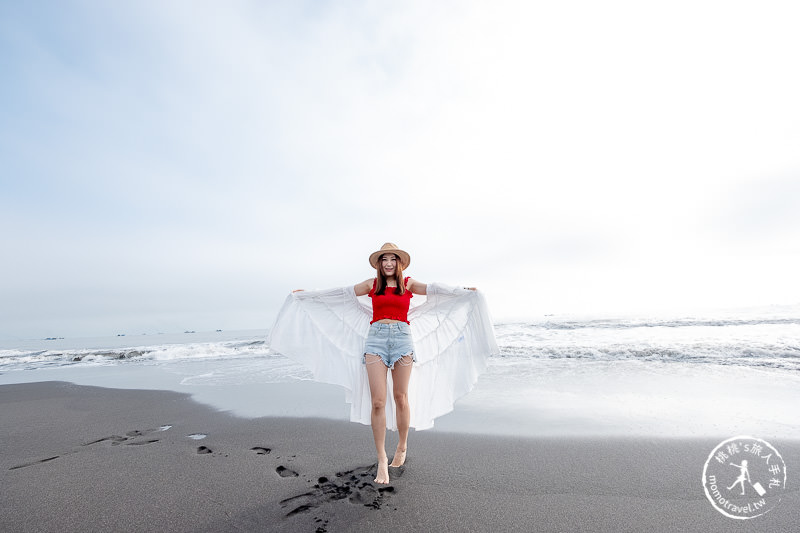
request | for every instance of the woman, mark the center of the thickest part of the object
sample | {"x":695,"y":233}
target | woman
{"x":389,"y":347}
{"x":452,"y":332}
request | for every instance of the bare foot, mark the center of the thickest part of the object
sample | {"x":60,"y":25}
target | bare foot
{"x":399,"y":457}
{"x":383,"y":471}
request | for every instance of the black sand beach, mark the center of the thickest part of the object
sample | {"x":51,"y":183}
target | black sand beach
{"x":78,"y":458}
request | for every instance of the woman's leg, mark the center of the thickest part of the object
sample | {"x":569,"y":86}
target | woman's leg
{"x":376,"y":372}
{"x":400,"y":378}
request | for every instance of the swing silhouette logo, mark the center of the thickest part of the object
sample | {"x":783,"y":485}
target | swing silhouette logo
{"x":744,"y":477}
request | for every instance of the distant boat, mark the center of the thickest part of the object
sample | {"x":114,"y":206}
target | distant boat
{"x":219,"y":331}
{"x":187,"y":331}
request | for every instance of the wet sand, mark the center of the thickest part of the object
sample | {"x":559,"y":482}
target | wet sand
{"x":78,"y":458}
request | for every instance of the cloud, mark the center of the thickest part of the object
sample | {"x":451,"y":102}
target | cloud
{"x":762,"y":211}
{"x":597,"y":155}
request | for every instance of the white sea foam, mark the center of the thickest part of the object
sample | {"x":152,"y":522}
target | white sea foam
{"x":114,"y":351}
{"x":772,"y":342}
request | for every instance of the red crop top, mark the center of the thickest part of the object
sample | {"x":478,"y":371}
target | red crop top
{"x":390,"y":305}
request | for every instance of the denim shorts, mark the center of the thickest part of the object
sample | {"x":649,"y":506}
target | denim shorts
{"x":390,"y":342}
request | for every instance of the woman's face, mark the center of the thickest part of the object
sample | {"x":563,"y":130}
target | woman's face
{"x":388,"y":264}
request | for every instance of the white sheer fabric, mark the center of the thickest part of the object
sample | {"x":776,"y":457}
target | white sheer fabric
{"x":453,"y":337}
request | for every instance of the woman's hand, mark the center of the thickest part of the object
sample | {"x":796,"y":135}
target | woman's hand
{"x":297,"y":290}
{"x":471,"y":288}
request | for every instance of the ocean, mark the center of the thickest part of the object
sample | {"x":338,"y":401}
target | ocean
{"x":558,"y":375}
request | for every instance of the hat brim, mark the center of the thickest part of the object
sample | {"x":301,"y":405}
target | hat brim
{"x":405,"y":259}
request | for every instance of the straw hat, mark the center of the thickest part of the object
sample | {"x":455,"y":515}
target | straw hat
{"x":390,"y":248}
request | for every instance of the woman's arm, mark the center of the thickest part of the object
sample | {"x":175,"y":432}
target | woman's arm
{"x":364,"y":287}
{"x":416,"y":287}
{"x":361,"y":289}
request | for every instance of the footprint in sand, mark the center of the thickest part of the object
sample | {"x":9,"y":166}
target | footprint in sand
{"x":40,"y":461}
{"x":261,"y":451}
{"x":285,"y":472}
{"x":204,"y":450}
{"x":142,"y":442}
{"x":114,"y":439}
{"x":323,"y":525}
{"x":355,"y":486}
{"x":129,"y":439}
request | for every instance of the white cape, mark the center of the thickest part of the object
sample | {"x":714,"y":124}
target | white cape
{"x":453,"y":336}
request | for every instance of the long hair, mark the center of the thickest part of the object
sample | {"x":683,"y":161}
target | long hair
{"x":380,"y":285}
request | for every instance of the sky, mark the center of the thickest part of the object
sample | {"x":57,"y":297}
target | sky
{"x":183,"y":165}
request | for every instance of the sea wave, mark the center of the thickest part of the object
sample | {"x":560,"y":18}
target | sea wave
{"x":764,"y":356}
{"x":622,"y":324}
{"x":29,"y":360}
{"x":767,"y":343}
